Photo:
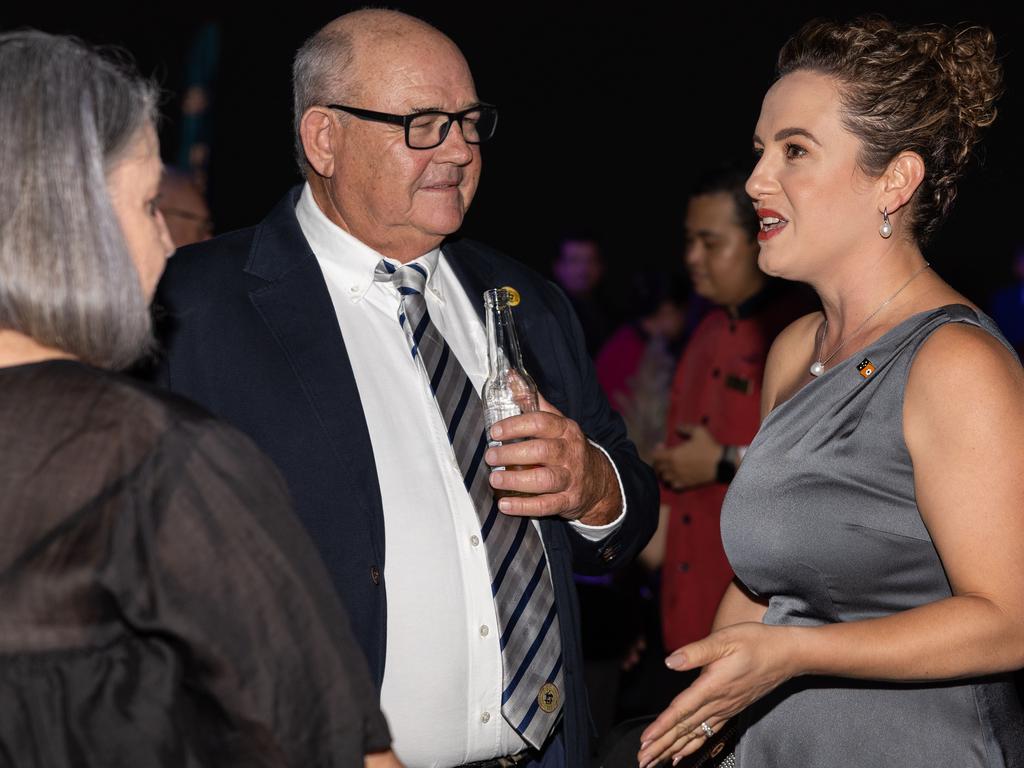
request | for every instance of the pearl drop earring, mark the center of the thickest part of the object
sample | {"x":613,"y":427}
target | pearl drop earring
{"x":886,"y":229}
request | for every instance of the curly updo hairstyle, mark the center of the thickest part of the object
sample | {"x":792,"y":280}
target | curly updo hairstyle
{"x":928,"y":89}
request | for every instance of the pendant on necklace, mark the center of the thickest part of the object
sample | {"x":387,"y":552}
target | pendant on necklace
{"x":817,"y":368}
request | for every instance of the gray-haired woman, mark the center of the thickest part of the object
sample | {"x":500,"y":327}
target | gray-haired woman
{"x":159,"y":605}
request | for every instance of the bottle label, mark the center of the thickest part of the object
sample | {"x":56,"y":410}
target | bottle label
{"x":496,"y":410}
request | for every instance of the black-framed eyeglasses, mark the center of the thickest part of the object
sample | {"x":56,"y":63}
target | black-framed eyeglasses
{"x":429,"y":129}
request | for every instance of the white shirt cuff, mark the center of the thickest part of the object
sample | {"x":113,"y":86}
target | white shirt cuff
{"x":599,"y":532}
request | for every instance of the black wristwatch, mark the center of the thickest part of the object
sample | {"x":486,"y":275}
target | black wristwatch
{"x":726,"y":470}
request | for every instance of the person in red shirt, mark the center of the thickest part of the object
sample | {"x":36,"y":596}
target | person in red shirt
{"x":714,"y":410}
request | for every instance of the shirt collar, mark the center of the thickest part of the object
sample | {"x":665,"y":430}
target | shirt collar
{"x":353,"y":260}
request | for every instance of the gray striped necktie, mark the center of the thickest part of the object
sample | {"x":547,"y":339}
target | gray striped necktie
{"x":531,"y":646}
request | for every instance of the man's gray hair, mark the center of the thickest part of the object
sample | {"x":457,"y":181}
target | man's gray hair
{"x":67,"y":279}
{"x":321,"y":74}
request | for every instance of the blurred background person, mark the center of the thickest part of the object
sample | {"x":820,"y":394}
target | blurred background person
{"x":184,"y":208}
{"x":579,"y":270}
{"x":636,"y":364}
{"x":161,"y":604}
{"x":715,"y":400}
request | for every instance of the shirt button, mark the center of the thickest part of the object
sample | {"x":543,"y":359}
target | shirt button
{"x":484,"y":631}
{"x":716,"y":373}
{"x":474,"y":540}
{"x":686,"y":519}
{"x":684,"y":567}
{"x":704,"y":420}
{"x":375,"y":574}
{"x":485,"y":717}
{"x":354,"y":289}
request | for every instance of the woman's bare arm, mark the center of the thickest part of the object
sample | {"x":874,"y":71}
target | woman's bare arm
{"x":738,"y":606}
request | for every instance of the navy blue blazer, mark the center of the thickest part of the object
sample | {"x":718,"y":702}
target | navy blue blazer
{"x":249,"y":331}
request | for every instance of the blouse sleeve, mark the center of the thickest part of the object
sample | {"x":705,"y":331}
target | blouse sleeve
{"x":215,"y":559}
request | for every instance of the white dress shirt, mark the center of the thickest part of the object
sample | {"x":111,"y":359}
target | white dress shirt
{"x":442,"y":675}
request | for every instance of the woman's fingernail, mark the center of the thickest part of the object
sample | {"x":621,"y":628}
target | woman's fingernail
{"x":497,"y":477}
{"x":673,"y":661}
{"x":504,"y":505}
{"x":496,"y":431}
{"x":644,"y":745}
{"x":676,"y":759}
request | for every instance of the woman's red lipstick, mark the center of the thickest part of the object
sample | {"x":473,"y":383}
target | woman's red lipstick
{"x":775,"y":226}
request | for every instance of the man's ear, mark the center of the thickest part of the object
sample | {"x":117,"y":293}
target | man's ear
{"x":319,"y":133}
{"x":901,"y":180}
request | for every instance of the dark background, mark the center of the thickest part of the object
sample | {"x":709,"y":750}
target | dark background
{"x":606,"y":116}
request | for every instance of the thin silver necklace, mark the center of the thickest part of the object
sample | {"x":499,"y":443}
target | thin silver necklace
{"x":818,"y":366}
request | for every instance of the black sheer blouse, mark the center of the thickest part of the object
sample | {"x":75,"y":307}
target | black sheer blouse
{"x":160,"y":605}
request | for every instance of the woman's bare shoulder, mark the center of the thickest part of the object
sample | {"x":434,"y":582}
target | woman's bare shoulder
{"x":960,"y":360}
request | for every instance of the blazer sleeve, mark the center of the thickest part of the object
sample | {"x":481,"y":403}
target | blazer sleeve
{"x":589,"y":407}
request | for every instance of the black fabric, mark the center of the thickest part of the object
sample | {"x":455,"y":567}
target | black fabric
{"x":251,"y":333}
{"x":160,"y":604}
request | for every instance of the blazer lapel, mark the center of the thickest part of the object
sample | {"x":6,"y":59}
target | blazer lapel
{"x":297,"y":308}
{"x":477,"y":273}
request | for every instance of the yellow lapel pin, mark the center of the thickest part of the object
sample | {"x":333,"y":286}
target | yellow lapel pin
{"x":513,"y":295}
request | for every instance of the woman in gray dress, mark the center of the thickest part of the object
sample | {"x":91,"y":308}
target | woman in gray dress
{"x":875,"y":525}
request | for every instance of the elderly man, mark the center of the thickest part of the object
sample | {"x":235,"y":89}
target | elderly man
{"x":337,"y":331}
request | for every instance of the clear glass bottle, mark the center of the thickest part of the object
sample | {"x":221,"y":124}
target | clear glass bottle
{"x":509,"y":389}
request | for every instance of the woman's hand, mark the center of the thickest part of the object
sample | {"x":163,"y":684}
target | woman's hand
{"x":742,"y":663}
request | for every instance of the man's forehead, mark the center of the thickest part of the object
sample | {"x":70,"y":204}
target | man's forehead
{"x":415,"y":74}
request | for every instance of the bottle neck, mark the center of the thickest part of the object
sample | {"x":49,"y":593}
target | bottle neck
{"x":502,"y":343}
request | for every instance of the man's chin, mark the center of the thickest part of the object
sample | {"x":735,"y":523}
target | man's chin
{"x":443,"y":223}
{"x":705,"y":290}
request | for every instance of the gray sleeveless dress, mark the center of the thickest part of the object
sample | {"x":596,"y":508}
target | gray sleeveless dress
{"x":821,"y":519}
